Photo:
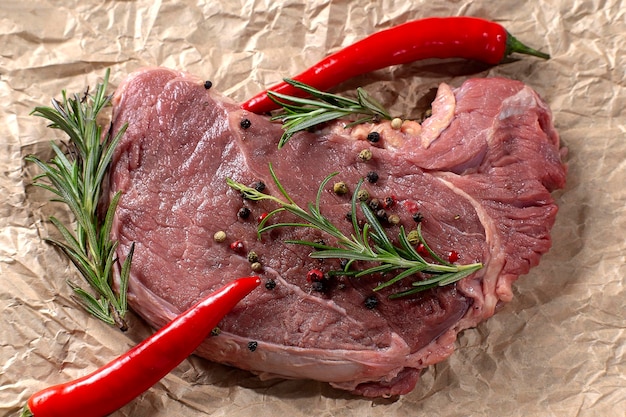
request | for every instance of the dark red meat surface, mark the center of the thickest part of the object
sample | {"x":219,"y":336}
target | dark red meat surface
{"x":480,"y":171}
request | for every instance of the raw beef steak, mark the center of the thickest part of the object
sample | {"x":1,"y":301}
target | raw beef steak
{"x":479,"y":172}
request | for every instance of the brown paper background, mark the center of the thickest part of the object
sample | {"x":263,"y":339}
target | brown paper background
{"x":558,"y":349}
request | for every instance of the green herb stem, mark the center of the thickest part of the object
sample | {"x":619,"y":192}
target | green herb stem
{"x":304,"y":113}
{"x":369,"y":243}
{"x":76,"y":179}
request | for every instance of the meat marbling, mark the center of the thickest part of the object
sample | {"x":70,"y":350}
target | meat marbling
{"x":480,"y":171}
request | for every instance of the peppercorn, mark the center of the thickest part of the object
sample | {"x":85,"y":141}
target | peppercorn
{"x":417,"y":217}
{"x":349,"y":216}
{"x":343,"y":263}
{"x":340,"y":188}
{"x":237,"y":246}
{"x":374,"y":204}
{"x":314,"y":275}
{"x":252,"y":257}
{"x":389,"y":202}
{"x":453,"y":256}
{"x":244,"y":213}
{"x":381,"y":215}
{"x":318,"y":286}
{"x":365,"y":155}
{"x":372,"y":176}
{"x":216,"y":331}
{"x":208,"y":84}
{"x":371,"y":302}
{"x":396,"y":123}
{"x":258,"y":185}
{"x":252,"y":346}
{"x":421,"y":249}
{"x":262,"y":217}
{"x":245,"y":123}
{"x":270,"y":284}
{"x":394,"y":219}
{"x":256,"y":266}
{"x":219,"y":236}
{"x":373,"y":137}
{"x":413,"y":237}
{"x":363,"y":195}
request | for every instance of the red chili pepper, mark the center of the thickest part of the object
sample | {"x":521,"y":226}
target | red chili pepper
{"x":117,"y":383}
{"x":436,"y":37}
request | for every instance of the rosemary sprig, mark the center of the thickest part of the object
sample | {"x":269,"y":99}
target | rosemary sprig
{"x":76,"y":180}
{"x":369,"y":243}
{"x":303,"y":113}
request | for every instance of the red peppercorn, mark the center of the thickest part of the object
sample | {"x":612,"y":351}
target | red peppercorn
{"x":262,"y":216}
{"x":238,"y":246}
{"x":421,"y":249}
{"x":389,"y":202}
{"x":453,"y":256}
{"x":411,"y":206}
{"x":314,"y":275}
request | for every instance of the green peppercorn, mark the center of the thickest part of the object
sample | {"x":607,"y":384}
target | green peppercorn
{"x":413,"y":237}
{"x":340,"y":188}
{"x":394,"y":219}
{"x":363,"y":195}
{"x":365,"y":155}
{"x":253,"y":257}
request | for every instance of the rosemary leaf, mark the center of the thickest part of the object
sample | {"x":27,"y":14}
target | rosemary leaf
{"x":75,"y":178}
{"x":301,"y":114}
{"x":383,"y":254}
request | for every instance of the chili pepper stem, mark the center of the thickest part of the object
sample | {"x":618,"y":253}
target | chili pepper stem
{"x":513,"y":45}
{"x":121,"y":380}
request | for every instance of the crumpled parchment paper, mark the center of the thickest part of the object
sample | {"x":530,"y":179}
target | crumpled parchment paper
{"x":558,"y":349}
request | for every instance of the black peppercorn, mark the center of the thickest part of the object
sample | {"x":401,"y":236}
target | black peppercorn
{"x":208,"y":84}
{"x":371,"y":302}
{"x":373,"y":137}
{"x":270,"y":284}
{"x":343,"y":263}
{"x":381,"y":215}
{"x":244,"y":212}
{"x":417,"y":217}
{"x":252,"y":346}
{"x":245,"y":123}
{"x":374,"y":204}
{"x":318,"y":286}
{"x":372,"y":176}
{"x":258,"y":185}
